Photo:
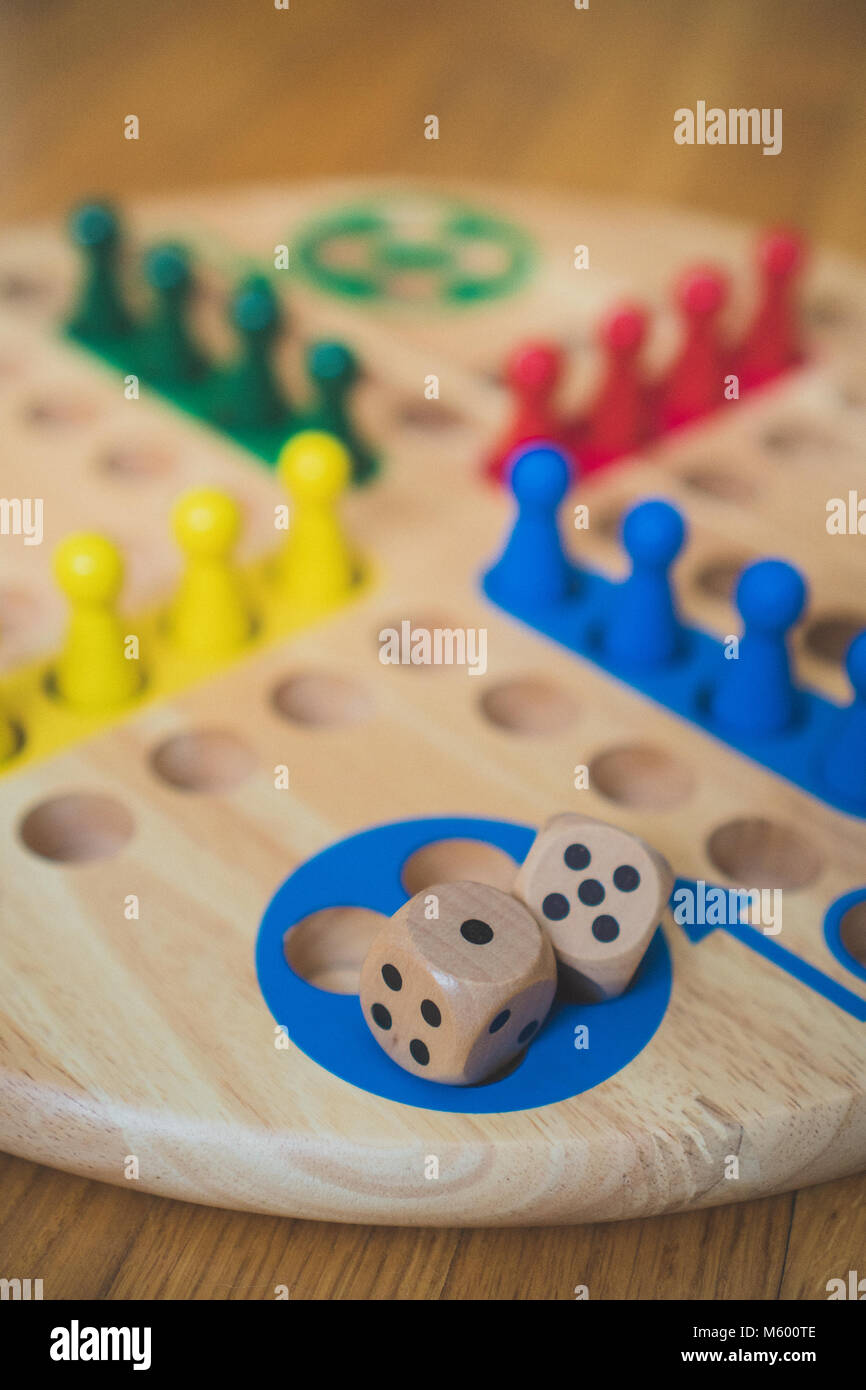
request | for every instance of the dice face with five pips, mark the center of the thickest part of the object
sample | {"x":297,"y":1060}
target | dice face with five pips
{"x":599,"y":893}
{"x":458,"y":983}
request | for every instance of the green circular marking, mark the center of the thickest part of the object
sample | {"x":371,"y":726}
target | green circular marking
{"x":400,"y":255}
{"x":455,"y":255}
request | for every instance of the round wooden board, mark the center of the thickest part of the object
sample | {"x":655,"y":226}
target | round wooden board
{"x":149,"y":1039}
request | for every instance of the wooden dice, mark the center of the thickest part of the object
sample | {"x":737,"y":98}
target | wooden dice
{"x":599,"y":893}
{"x":458,"y":982}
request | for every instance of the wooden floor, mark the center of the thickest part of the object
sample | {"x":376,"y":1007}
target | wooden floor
{"x":529,"y":91}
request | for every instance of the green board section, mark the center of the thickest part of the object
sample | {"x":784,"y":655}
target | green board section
{"x":413,"y":250}
{"x":204,"y":397}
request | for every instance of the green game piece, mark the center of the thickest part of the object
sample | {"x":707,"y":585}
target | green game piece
{"x":333,"y":369}
{"x":100,"y":312}
{"x":251,"y":397}
{"x":172,"y":356}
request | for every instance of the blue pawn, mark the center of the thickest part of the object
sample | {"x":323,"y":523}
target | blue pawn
{"x":756,"y":694}
{"x":643,"y":629}
{"x":844,"y":762}
{"x":533,"y":570}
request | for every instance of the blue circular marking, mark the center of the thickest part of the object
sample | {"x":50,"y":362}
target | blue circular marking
{"x":833,"y":931}
{"x":364,"y":871}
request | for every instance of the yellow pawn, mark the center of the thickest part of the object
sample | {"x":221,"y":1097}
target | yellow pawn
{"x":92,"y":671}
{"x":210,"y":616}
{"x":315,"y":568}
{"x":9,"y":739}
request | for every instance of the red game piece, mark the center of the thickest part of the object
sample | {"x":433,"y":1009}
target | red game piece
{"x":695,"y":383}
{"x":532,"y":373}
{"x":771,"y":344}
{"x":618,"y":420}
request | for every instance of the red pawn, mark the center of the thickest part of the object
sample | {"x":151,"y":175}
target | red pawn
{"x":772,"y":342}
{"x":695,"y":383}
{"x":532,"y":374}
{"x":618,"y":421}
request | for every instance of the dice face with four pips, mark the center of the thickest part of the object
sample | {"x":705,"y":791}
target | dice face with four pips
{"x":599,"y":893}
{"x":458,"y":983}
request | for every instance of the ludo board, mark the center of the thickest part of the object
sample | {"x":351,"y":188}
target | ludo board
{"x":188,"y":889}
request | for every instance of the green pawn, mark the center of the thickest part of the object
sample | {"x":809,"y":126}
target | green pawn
{"x":100,"y":312}
{"x":172,"y":356}
{"x":334,"y":370}
{"x":254,"y":398}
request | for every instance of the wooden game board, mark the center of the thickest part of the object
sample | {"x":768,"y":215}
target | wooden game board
{"x":151,"y":1037}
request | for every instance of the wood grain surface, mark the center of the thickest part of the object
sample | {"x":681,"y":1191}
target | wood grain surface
{"x":538,"y":93}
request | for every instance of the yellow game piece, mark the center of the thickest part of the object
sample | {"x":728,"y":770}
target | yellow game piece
{"x":210,"y":616}
{"x":316,"y":568}
{"x":93,"y":672}
{"x":8,"y":737}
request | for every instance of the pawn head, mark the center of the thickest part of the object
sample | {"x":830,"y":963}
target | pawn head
{"x":780,"y":252}
{"x":653,"y":532}
{"x":88,"y":568}
{"x":332,"y":362}
{"x":206,"y":523}
{"x":93,"y":224}
{"x":256,"y":307}
{"x":167,"y":267}
{"x":625,"y":329}
{"x":534,"y":367}
{"x":702,"y":291}
{"x":855,"y":664}
{"x":540,"y":474}
{"x":314,"y":466}
{"x":771,"y":594}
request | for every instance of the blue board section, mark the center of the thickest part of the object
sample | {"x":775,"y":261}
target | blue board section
{"x":780,"y":956}
{"x":684,"y":685}
{"x":747,"y":698}
{"x":833,"y":933}
{"x":364,"y":871}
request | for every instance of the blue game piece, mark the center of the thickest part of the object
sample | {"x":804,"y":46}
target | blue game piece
{"x":843,"y":767}
{"x":642,"y":628}
{"x":533,"y":570}
{"x":756,"y":694}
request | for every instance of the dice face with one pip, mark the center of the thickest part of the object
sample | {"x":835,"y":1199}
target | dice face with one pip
{"x":599,"y":892}
{"x":458,"y":983}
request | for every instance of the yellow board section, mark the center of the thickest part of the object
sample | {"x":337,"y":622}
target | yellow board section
{"x":110,"y":665}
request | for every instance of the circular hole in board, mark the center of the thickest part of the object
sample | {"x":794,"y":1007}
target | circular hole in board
{"x":718,"y":577}
{"x":852,"y":931}
{"x":203,"y":760}
{"x":528,"y":706}
{"x":641,"y":775}
{"x":327,"y":949}
{"x":19,"y":289}
{"x":795,"y":439}
{"x":136,"y":462}
{"x":830,"y":636}
{"x":458,"y":861}
{"x":829,"y":311}
{"x":76,"y":827}
{"x":760,"y":853}
{"x":609,"y":524}
{"x":716,"y":482}
{"x":58,"y":412}
{"x":428,"y":415}
{"x":318,"y":700}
